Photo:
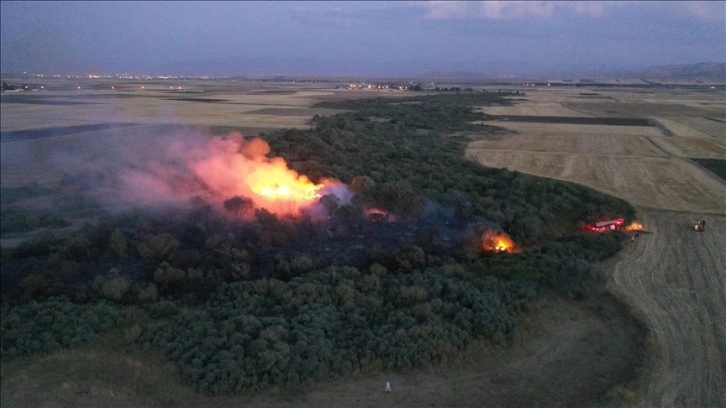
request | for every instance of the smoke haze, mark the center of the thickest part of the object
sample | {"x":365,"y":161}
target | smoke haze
{"x":163,"y":167}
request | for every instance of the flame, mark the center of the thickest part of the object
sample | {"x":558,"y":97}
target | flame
{"x":376,"y":215}
{"x":634,"y":226}
{"x":372,"y":212}
{"x":498,"y":242}
{"x":241,"y":168}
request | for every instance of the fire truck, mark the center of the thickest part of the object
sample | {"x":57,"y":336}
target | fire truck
{"x":605,"y":226}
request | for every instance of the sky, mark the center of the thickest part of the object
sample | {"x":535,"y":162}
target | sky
{"x":356,"y":38}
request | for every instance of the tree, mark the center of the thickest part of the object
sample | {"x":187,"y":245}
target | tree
{"x":330,"y":203}
{"x":398,"y":197}
{"x":158,"y":247}
{"x":238,"y":205}
{"x":118,"y":243}
{"x":362,"y":184}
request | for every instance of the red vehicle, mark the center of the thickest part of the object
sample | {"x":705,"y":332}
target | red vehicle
{"x":605,"y":226}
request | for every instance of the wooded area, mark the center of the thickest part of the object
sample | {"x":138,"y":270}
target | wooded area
{"x":286,"y":299}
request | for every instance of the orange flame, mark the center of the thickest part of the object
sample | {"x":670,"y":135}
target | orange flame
{"x":376,"y":215}
{"x":634,"y":226}
{"x":241,"y":168}
{"x":498,"y":242}
{"x":372,"y":212}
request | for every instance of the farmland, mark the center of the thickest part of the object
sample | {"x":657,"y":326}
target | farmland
{"x":568,"y":352}
{"x":650,"y":166}
{"x":674,"y":278}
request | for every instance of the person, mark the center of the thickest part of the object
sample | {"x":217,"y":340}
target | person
{"x":388,"y":386}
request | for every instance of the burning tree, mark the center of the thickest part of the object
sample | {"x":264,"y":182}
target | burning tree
{"x":498,"y":242}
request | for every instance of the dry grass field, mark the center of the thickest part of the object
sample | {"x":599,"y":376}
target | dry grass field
{"x":249,"y":106}
{"x":638,"y":163}
{"x":673,"y":279}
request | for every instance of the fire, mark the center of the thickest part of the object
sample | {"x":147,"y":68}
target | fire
{"x":241,"y":168}
{"x":634,"y":226}
{"x":375,"y":214}
{"x":498,"y":242}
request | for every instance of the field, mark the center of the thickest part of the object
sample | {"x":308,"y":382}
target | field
{"x":575,"y":352}
{"x":675,"y":281}
{"x":249,"y":106}
{"x":674,"y":278}
{"x":649,"y":166}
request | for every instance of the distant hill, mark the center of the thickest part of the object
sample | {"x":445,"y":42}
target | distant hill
{"x":708,"y":71}
{"x":702,"y":70}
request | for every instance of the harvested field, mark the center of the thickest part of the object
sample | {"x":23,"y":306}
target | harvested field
{"x":702,"y":147}
{"x":57,"y":131}
{"x":673,"y":278}
{"x":305,"y":112}
{"x":572,"y":142}
{"x":538,"y":103}
{"x":648,"y":182}
{"x":698,"y":127}
{"x":573,"y":120}
{"x":675,"y":282}
{"x":156,"y":104}
{"x":635,"y":109}
{"x":568,"y":129}
{"x":716,"y":166}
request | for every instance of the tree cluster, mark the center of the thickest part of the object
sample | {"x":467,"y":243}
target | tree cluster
{"x":334,"y":321}
{"x":287,"y":300}
{"x":53,"y":324}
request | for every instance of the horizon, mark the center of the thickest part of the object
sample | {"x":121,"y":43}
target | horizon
{"x":373,"y":39}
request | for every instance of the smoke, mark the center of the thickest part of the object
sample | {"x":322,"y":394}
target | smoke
{"x":143,"y":167}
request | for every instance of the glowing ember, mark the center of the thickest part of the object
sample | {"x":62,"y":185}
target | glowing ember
{"x":634,"y":226}
{"x":498,"y":242}
{"x":375,"y":211}
{"x":375,"y":214}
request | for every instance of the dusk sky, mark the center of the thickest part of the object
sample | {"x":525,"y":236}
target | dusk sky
{"x":356,"y":38}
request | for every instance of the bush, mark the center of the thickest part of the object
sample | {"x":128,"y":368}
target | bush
{"x":53,"y":324}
